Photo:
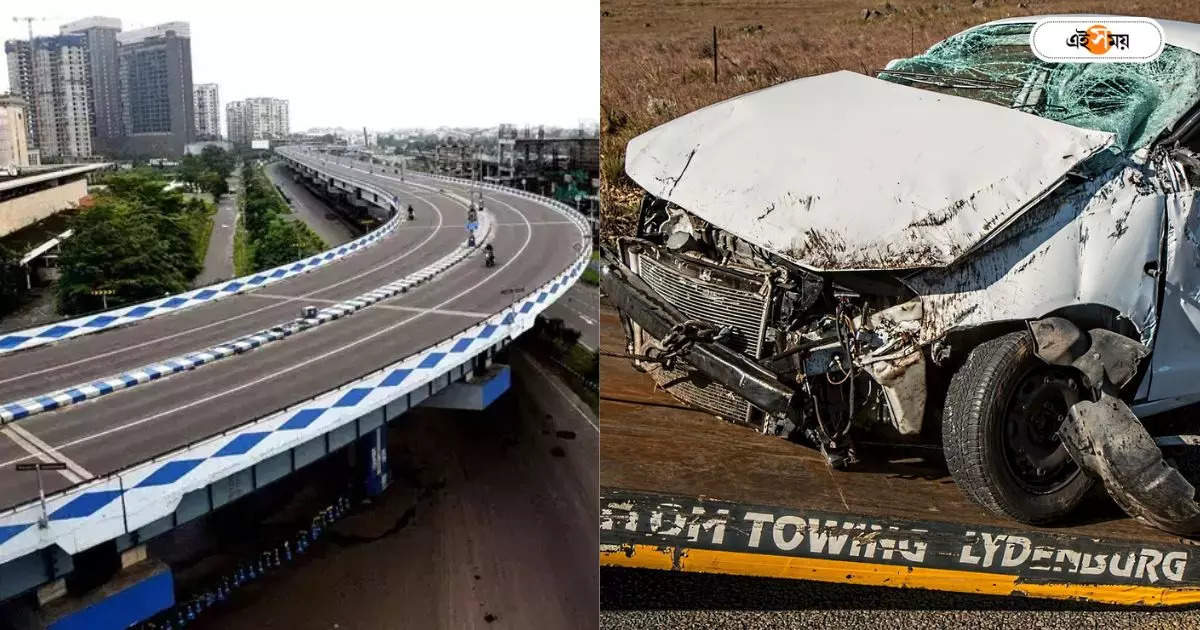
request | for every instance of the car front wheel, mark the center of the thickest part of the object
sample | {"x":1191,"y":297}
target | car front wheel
{"x":1000,"y":432}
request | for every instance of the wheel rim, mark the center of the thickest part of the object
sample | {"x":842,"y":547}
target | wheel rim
{"x":1033,"y":452}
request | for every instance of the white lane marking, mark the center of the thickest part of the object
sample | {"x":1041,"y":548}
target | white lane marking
{"x":292,"y":368}
{"x":533,"y":222}
{"x":580,"y":314}
{"x":394,"y":307}
{"x":239,"y":316}
{"x":49,"y":450}
{"x":568,"y":396}
{"x":68,"y":473}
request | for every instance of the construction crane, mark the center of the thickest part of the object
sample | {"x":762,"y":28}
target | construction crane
{"x":17,"y":89}
{"x":29,"y":20}
{"x":29,"y":23}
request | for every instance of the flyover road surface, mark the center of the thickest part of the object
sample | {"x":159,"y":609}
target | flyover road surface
{"x":533,"y":244}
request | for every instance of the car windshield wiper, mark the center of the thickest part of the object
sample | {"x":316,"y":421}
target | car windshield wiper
{"x":963,"y":83}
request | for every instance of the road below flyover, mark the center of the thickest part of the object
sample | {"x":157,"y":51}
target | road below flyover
{"x":218,"y":260}
{"x":309,"y":208}
{"x":579,"y":308}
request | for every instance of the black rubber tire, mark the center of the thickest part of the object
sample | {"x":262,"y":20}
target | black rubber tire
{"x":976,"y":403}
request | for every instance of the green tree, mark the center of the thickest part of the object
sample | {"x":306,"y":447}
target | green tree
{"x":274,"y":238}
{"x":12,"y":280}
{"x":115,"y":248}
{"x":208,"y":171}
{"x":218,"y":160}
{"x":285,"y":241}
{"x":138,"y":239}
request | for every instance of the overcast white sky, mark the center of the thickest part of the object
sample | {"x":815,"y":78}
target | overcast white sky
{"x":381,"y":64}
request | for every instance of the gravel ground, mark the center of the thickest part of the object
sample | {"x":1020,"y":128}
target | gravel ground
{"x":632,"y":598}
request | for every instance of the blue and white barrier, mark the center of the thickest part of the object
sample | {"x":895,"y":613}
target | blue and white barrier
{"x":96,"y":322}
{"x":101,"y":387}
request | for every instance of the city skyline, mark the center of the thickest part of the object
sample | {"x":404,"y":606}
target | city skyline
{"x":528,"y":63}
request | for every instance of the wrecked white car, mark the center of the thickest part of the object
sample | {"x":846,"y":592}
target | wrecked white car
{"x":972,"y":243}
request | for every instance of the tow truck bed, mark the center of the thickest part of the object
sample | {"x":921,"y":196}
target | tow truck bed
{"x":681,"y":490}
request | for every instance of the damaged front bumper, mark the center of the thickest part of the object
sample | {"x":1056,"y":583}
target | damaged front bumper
{"x":658,"y":318}
{"x":784,"y":364}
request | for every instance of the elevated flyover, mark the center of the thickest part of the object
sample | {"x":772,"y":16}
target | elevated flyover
{"x":153,"y":436}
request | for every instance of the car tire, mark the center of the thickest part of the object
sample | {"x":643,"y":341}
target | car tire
{"x":982,"y":432}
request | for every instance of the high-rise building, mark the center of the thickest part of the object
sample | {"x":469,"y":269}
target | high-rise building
{"x":59,"y":96}
{"x":155,"y":77}
{"x":20,"y":82}
{"x":235,"y":121}
{"x":260,"y":118}
{"x":270,"y":116}
{"x":14,"y":144}
{"x":100,"y":41}
{"x":52,"y":77}
{"x":207,"y":104}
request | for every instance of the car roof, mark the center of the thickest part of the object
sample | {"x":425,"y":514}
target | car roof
{"x":1181,"y":34}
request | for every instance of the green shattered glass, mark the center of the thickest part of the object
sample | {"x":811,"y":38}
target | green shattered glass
{"x":1134,"y":101}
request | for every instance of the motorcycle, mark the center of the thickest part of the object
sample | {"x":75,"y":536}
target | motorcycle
{"x":489,"y":257}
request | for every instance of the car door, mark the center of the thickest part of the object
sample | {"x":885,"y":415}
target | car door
{"x":1175,"y":365}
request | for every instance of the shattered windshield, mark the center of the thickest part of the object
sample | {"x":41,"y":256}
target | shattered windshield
{"x":1135,"y":101}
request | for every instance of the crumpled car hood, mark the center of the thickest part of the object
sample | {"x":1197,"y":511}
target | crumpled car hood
{"x":844,"y":172}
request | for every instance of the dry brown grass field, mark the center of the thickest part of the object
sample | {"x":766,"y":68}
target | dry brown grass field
{"x":656,"y":56}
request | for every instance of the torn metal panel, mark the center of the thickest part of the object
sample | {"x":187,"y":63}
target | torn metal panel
{"x":903,"y":382}
{"x":1108,"y":440}
{"x":1092,"y":246}
{"x":1175,"y":367}
{"x":1101,"y":356}
{"x":843,"y":171}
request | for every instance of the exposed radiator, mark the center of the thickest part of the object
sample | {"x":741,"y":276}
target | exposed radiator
{"x":716,"y":297}
{"x":709,"y":296}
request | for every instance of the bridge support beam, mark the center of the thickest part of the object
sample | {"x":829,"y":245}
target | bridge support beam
{"x":475,"y":393}
{"x":141,"y":589}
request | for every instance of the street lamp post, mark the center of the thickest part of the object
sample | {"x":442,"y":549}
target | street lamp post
{"x":38,"y":467}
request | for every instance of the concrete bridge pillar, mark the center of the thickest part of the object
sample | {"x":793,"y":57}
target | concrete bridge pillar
{"x":478,"y":391}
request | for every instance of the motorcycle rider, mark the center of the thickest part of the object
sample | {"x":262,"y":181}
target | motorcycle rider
{"x":410,"y":212}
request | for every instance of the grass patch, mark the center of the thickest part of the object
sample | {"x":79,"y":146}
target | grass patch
{"x":203,"y":234}
{"x":559,"y":347}
{"x":583,"y":361}
{"x":590,"y":276}
{"x":243,"y":250}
